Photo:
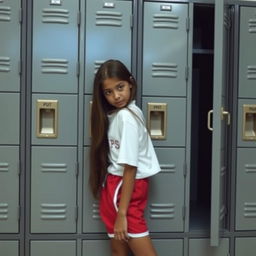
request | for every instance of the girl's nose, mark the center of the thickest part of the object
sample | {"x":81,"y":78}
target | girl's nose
{"x":116,"y":95}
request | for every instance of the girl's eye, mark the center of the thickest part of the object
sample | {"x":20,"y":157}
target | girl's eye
{"x":107,"y":93}
{"x":120,"y":87}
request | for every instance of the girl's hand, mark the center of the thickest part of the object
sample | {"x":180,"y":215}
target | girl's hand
{"x":120,"y":228}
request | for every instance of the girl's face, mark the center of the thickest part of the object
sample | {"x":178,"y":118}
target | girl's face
{"x":117,"y":92}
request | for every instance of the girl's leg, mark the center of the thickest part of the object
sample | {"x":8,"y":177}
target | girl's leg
{"x":142,"y":246}
{"x":119,"y":248}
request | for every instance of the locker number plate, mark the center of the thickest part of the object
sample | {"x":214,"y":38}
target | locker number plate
{"x":55,"y":2}
{"x":166,"y":7}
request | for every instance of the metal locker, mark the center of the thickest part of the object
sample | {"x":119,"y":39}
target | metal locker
{"x":87,"y":117}
{"x":168,"y":118}
{"x":246,"y":198}
{"x":9,"y":118}
{"x":53,"y":248}
{"x":9,"y":189}
{"x":54,"y":119}
{"x":168,"y":247}
{"x":96,"y":248}
{"x":247,"y":53}
{"x":10,"y":45}
{"x":246,"y":123}
{"x":201,"y":247}
{"x":91,"y":219}
{"x":166,"y":194}
{"x":165,"y":49}
{"x":9,"y":248}
{"x":53,"y":189}
{"x":55,"y":46}
{"x":245,"y":246}
{"x":108,"y":35}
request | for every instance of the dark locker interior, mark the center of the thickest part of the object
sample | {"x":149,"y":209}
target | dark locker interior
{"x":201,"y":136}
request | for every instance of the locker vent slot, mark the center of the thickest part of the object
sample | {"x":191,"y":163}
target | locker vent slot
{"x":252,"y":25}
{"x":164,"y":70}
{"x":3,"y":211}
{"x":54,"y":66}
{"x":251,"y":72}
{"x":97,"y":65}
{"x":162,"y":211}
{"x":250,"y":168}
{"x":249,"y":210}
{"x":53,"y":211}
{"x":95,"y":211}
{"x":4,"y":167}
{"x":5,"y":63}
{"x":168,"y":168}
{"x":107,"y":18}
{"x":166,"y":21}
{"x":5,"y":13}
{"x":55,"y":16}
{"x":52,"y":167}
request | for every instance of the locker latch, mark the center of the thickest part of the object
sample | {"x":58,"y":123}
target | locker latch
{"x":157,"y":118}
{"x":249,"y":122}
{"x":47,"y":118}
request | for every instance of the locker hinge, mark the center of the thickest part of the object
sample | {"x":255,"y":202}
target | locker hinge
{"x":19,"y":168}
{"x":78,"y":69}
{"x":183,"y":212}
{"x":20,"y":16}
{"x":186,"y":73}
{"x":77,"y":169}
{"x":20,"y":68}
{"x":76,"y":213}
{"x":78,"y":18}
{"x":185,"y":169}
{"x":131,"y":21}
{"x":19,"y":212}
{"x":187,"y":24}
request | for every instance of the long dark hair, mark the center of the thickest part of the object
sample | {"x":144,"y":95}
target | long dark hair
{"x":99,"y":121}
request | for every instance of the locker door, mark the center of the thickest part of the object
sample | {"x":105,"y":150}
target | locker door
{"x":166,"y":195}
{"x":9,"y":248}
{"x":219,"y":122}
{"x":9,"y":45}
{"x":53,"y":248}
{"x":9,"y":118}
{"x":96,"y":248}
{"x":91,"y":218}
{"x":165,"y":49}
{"x":53,"y":190}
{"x":9,"y":189}
{"x":108,"y":35}
{"x":200,"y":247}
{"x":247,"y":53}
{"x":55,"y":46}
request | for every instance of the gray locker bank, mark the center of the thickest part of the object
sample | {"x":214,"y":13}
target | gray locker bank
{"x":195,"y":63}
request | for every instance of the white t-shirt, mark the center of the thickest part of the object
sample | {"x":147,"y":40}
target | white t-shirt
{"x":130,"y":143}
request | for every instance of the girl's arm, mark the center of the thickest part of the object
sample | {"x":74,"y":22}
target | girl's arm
{"x":120,"y":227}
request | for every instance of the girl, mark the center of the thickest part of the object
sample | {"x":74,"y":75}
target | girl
{"x":122,"y":158}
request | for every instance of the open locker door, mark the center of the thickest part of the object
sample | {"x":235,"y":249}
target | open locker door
{"x":220,"y":121}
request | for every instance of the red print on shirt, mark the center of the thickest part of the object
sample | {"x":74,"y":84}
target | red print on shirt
{"x":114,"y":144}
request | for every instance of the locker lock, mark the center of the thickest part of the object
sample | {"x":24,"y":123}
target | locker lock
{"x":157,"y":118}
{"x":249,"y":122}
{"x":47,"y":118}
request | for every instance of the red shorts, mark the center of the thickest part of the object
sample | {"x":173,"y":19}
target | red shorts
{"x":109,"y":201}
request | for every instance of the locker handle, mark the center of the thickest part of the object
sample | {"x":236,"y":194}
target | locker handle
{"x":210,"y":112}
